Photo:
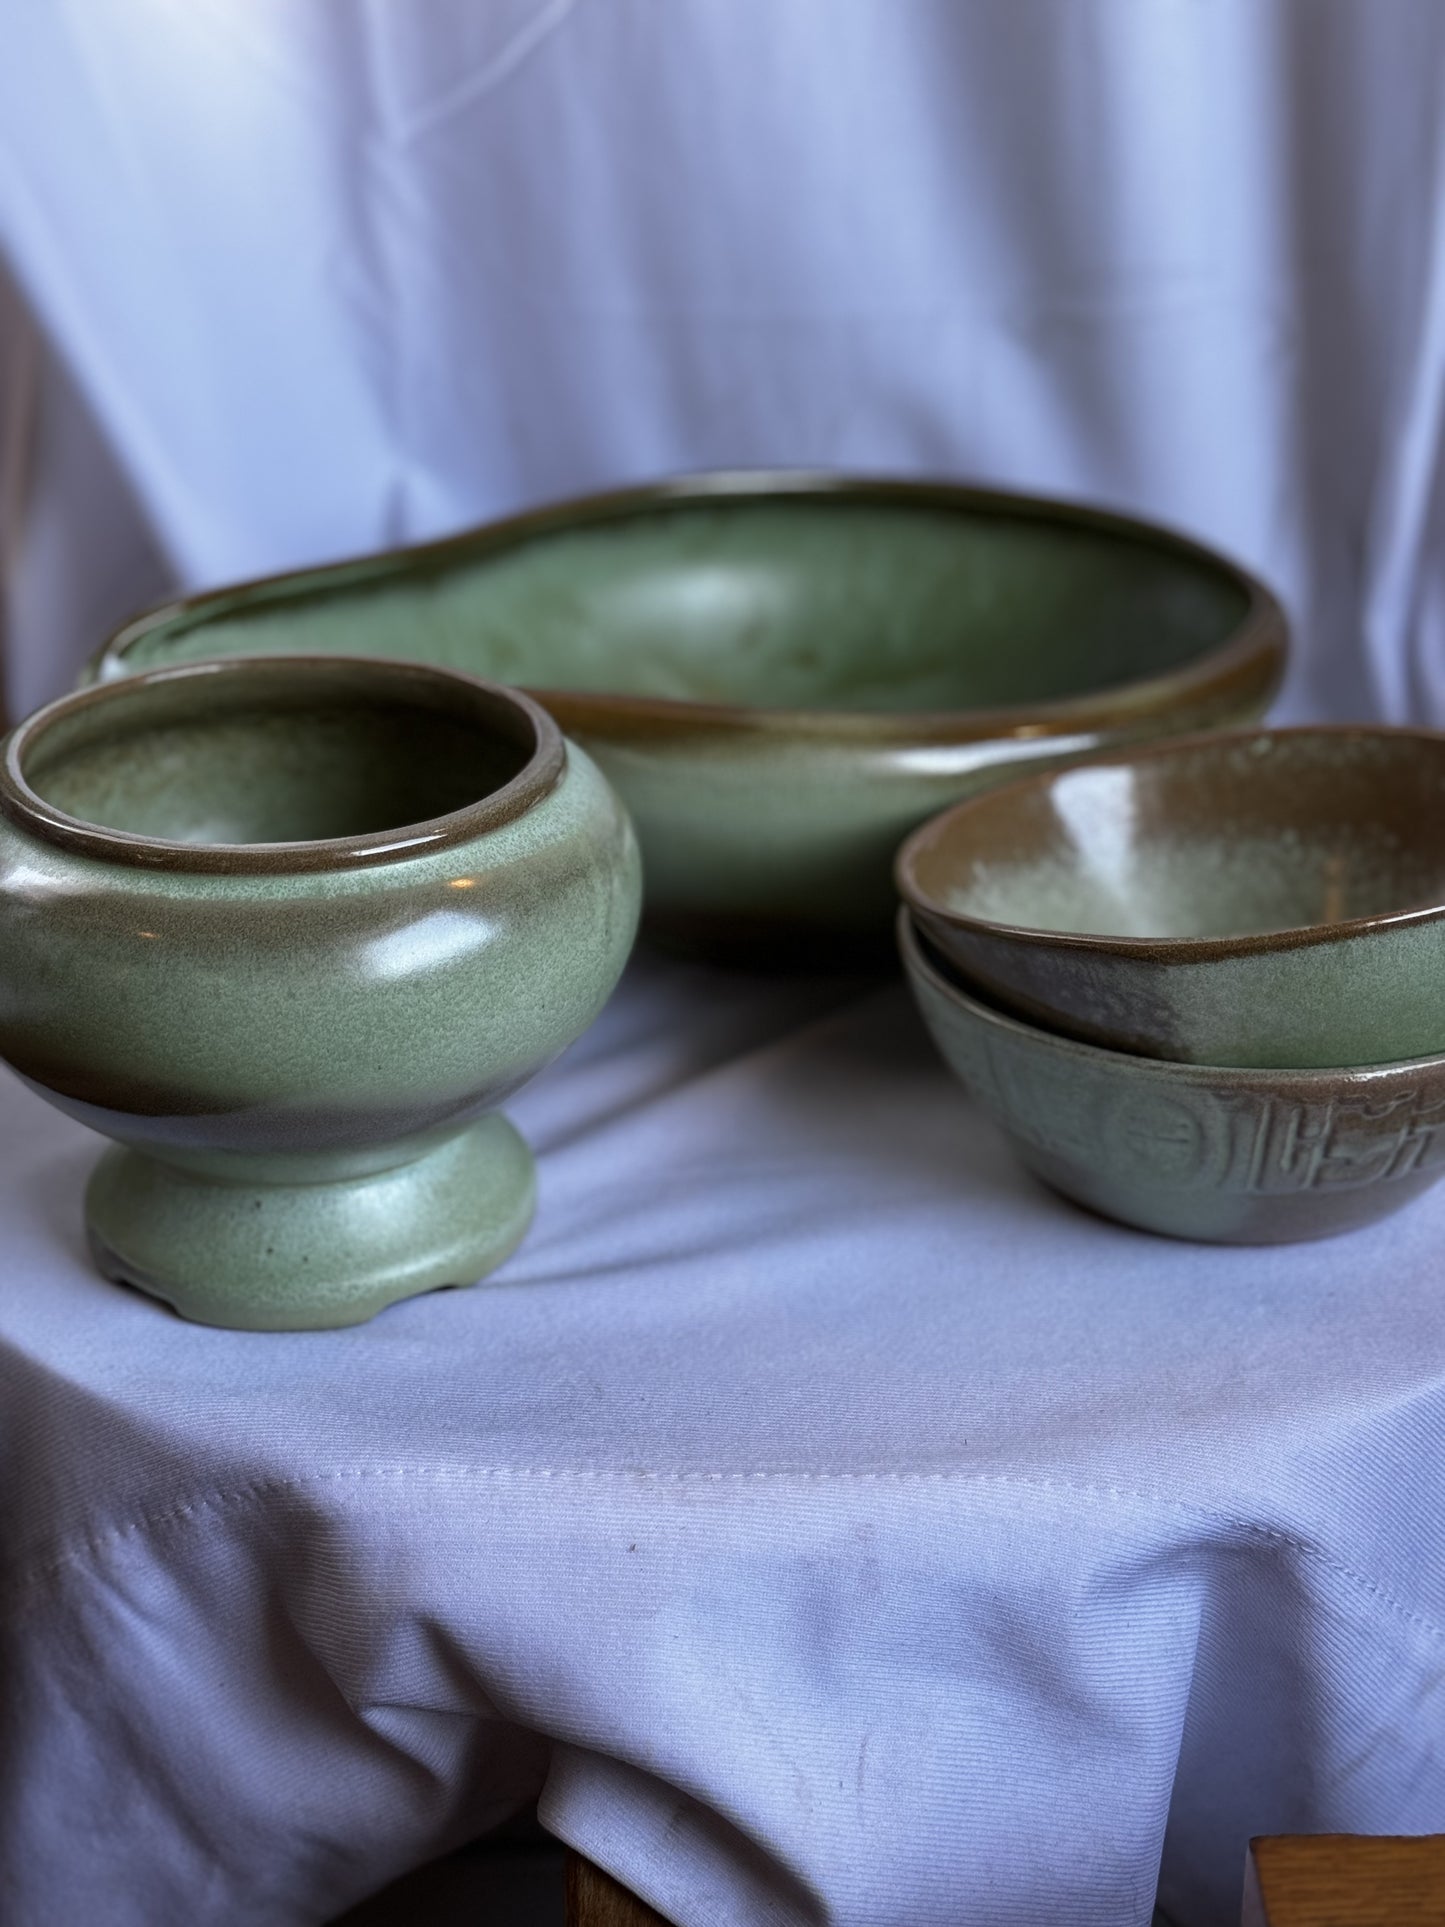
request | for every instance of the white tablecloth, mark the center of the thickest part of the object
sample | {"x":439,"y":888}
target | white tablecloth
{"x":836,"y":1526}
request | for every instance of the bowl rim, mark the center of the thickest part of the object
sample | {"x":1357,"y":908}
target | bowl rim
{"x":448,"y":689}
{"x":1249,"y":660}
{"x":1155,"y":950}
{"x":922,"y":965}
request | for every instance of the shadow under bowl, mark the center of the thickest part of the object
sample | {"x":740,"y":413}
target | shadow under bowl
{"x":1219,"y":1155}
{"x":1270,"y":898}
{"x":782,"y":673}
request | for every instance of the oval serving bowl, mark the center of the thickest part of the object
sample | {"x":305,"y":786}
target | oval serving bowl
{"x":783,"y":673}
{"x":1273,"y":898}
{"x":288,"y":931}
{"x":1226,"y":1156}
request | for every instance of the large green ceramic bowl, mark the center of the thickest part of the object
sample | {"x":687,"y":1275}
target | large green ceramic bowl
{"x":1228,"y":1156}
{"x":1267,"y":897}
{"x":288,"y":931}
{"x":782,"y":674}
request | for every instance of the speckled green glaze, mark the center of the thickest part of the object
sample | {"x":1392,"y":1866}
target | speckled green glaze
{"x":782,"y":674}
{"x":1228,"y":1156}
{"x":1271,"y":898}
{"x":288,"y":931}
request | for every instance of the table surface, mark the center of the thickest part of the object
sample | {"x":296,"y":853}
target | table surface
{"x":826,"y":1520}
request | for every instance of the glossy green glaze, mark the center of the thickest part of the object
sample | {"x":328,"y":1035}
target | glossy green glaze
{"x":782,"y":674}
{"x":1228,"y":1156}
{"x":1273,"y":898}
{"x":287,"y":931}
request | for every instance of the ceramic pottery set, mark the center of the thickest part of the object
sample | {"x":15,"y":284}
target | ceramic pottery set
{"x":1201,"y":986}
{"x":298,"y":891}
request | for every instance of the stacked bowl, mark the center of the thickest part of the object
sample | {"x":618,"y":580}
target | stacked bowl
{"x":1199,"y":984}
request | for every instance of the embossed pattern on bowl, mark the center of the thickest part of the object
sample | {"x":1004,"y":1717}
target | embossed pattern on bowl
{"x":1229,"y":1156}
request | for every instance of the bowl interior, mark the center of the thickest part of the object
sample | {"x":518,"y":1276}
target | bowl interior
{"x":285,"y":753}
{"x":851,"y":601}
{"x":1221,"y":837}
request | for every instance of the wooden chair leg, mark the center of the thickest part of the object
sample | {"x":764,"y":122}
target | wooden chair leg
{"x":595,"y":1899}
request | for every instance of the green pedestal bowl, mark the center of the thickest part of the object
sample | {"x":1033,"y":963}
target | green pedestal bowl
{"x":783,"y":673}
{"x":288,"y":931}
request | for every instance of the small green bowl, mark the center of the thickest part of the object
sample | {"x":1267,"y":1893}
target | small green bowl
{"x":289,"y":932}
{"x":782,"y":674}
{"x":1226,"y":1156}
{"x":1273,"y":898}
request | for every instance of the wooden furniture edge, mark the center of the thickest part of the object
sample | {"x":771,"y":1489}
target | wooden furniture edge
{"x":595,"y":1899}
{"x":1345,"y":1880}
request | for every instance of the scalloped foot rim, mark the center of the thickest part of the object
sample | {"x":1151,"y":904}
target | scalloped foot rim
{"x":310,"y":1257}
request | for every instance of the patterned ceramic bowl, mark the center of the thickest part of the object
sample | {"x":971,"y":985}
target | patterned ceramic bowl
{"x":1273,"y":898}
{"x":289,"y":931}
{"x":782,"y":674}
{"x":1227,"y":1156}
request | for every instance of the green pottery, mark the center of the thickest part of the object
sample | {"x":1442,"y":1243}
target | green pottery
{"x":288,"y":931}
{"x":783,"y":673}
{"x":1228,"y":1156}
{"x":1273,"y":898}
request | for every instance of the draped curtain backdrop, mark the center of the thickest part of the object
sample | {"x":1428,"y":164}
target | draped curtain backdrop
{"x":293,"y":278}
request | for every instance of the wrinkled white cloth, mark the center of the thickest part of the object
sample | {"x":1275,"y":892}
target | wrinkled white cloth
{"x":872,"y":1537}
{"x":834,"y":1526}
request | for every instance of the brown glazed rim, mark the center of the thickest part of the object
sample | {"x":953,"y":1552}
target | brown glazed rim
{"x":920,"y":960}
{"x":448,"y":690}
{"x":1248,"y":664}
{"x":1160,"y":950}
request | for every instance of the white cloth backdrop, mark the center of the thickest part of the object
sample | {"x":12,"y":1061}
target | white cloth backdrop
{"x":877,"y":1540}
{"x":337,"y":274}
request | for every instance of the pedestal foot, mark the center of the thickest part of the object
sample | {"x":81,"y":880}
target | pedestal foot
{"x":302,"y":1257}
